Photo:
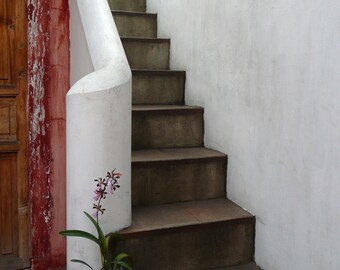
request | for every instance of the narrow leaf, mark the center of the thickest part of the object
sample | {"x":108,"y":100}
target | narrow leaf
{"x":124,"y":264}
{"x":83,"y":234}
{"x":121,"y":256}
{"x":100,"y":234}
{"x":120,"y":263}
{"x":82,"y":262}
{"x":125,"y":260}
{"x":115,"y":236}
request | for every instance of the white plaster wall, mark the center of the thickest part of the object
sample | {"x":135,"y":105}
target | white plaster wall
{"x":81,"y":63}
{"x":98,"y":127}
{"x":268,"y":75}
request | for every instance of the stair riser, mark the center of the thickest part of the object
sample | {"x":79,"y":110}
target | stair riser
{"x":248,"y":266}
{"x":158,"y":89}
{"x":167,"y":182}
{"x":202,"y":247}
{"x":141,"y":25}
{"x":152,"y":130}
{"x":152,"y":54}
{"x":128,"y":5}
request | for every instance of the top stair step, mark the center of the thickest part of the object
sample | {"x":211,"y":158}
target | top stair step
{"x":128,"y":5}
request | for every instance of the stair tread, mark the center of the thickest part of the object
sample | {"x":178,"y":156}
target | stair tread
{"x":135,"y":5}
{"x":249,"y":266}
{"x":148,"y":219}
{"x":158,"y":71}
{"x":145,"y":108}
{"x":145,"y":39}
{"x":172,"y":154}
{"x":132,"y":13}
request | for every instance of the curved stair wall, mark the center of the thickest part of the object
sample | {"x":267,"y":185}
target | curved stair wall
{"x":98,"y":124}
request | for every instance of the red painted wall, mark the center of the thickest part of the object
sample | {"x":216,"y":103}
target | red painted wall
{"x":49,"y":81}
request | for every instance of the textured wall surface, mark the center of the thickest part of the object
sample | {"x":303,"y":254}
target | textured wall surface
{"x":267,"y":73}
{"x":48,"y":36}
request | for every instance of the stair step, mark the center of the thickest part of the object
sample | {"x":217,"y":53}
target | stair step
{"x":166,"y":126}
{"x":158,"y":87}
{"x":147,"y":53}
{"x":163,"y":176}
{"x":192,"y":236}
{"x":129,"y":5}
{"x":136,"y":24}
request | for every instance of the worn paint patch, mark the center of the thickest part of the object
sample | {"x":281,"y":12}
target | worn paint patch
{"x":48,"y":54}
{"x":38,"y":141}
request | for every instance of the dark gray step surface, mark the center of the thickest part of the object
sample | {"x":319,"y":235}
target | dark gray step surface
{"x":128,"y":5}
{"x":147,"y":53}
{"x":135,"y":24}
{"x":158,"y":87}
{"x":196,"y":235}
{"x":163,"y":176}
{"x":166,"y":126}
{"x":248,"y":266}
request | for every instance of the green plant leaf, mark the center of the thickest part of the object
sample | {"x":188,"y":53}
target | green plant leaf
{"x":119,"y":263}
{"x":125,"y":260}
{"x":122,"y":260}
{"x":115,"y":236}
{"x":121,"y":256}
{"x":82,"y":234}
{"x":82,"y":262}
{"x":101,"y":235}
{"x":124,"y":264}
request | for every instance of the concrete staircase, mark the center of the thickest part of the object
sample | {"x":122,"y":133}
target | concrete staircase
{"x":181,"y":218}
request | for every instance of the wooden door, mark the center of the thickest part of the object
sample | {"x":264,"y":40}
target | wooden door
{"x":14,"y":214}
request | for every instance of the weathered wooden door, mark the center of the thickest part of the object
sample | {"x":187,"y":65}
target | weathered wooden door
{"x":14,"y":212}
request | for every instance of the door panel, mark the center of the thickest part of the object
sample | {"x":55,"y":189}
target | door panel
{"x":8,"y":122}
{"x":14,"y":218}
{"x":5,"y":42}
{"x":8,"y":205}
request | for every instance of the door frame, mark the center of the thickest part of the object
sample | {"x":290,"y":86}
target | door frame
{"x":48,"y":83}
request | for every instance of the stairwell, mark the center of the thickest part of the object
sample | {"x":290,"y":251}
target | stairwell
{"x":181,"y":218}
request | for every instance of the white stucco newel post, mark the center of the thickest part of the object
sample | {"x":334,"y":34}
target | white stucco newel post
{"x":98,"y":128}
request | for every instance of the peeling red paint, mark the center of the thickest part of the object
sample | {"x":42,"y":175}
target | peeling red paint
{"x":48,"y":23}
